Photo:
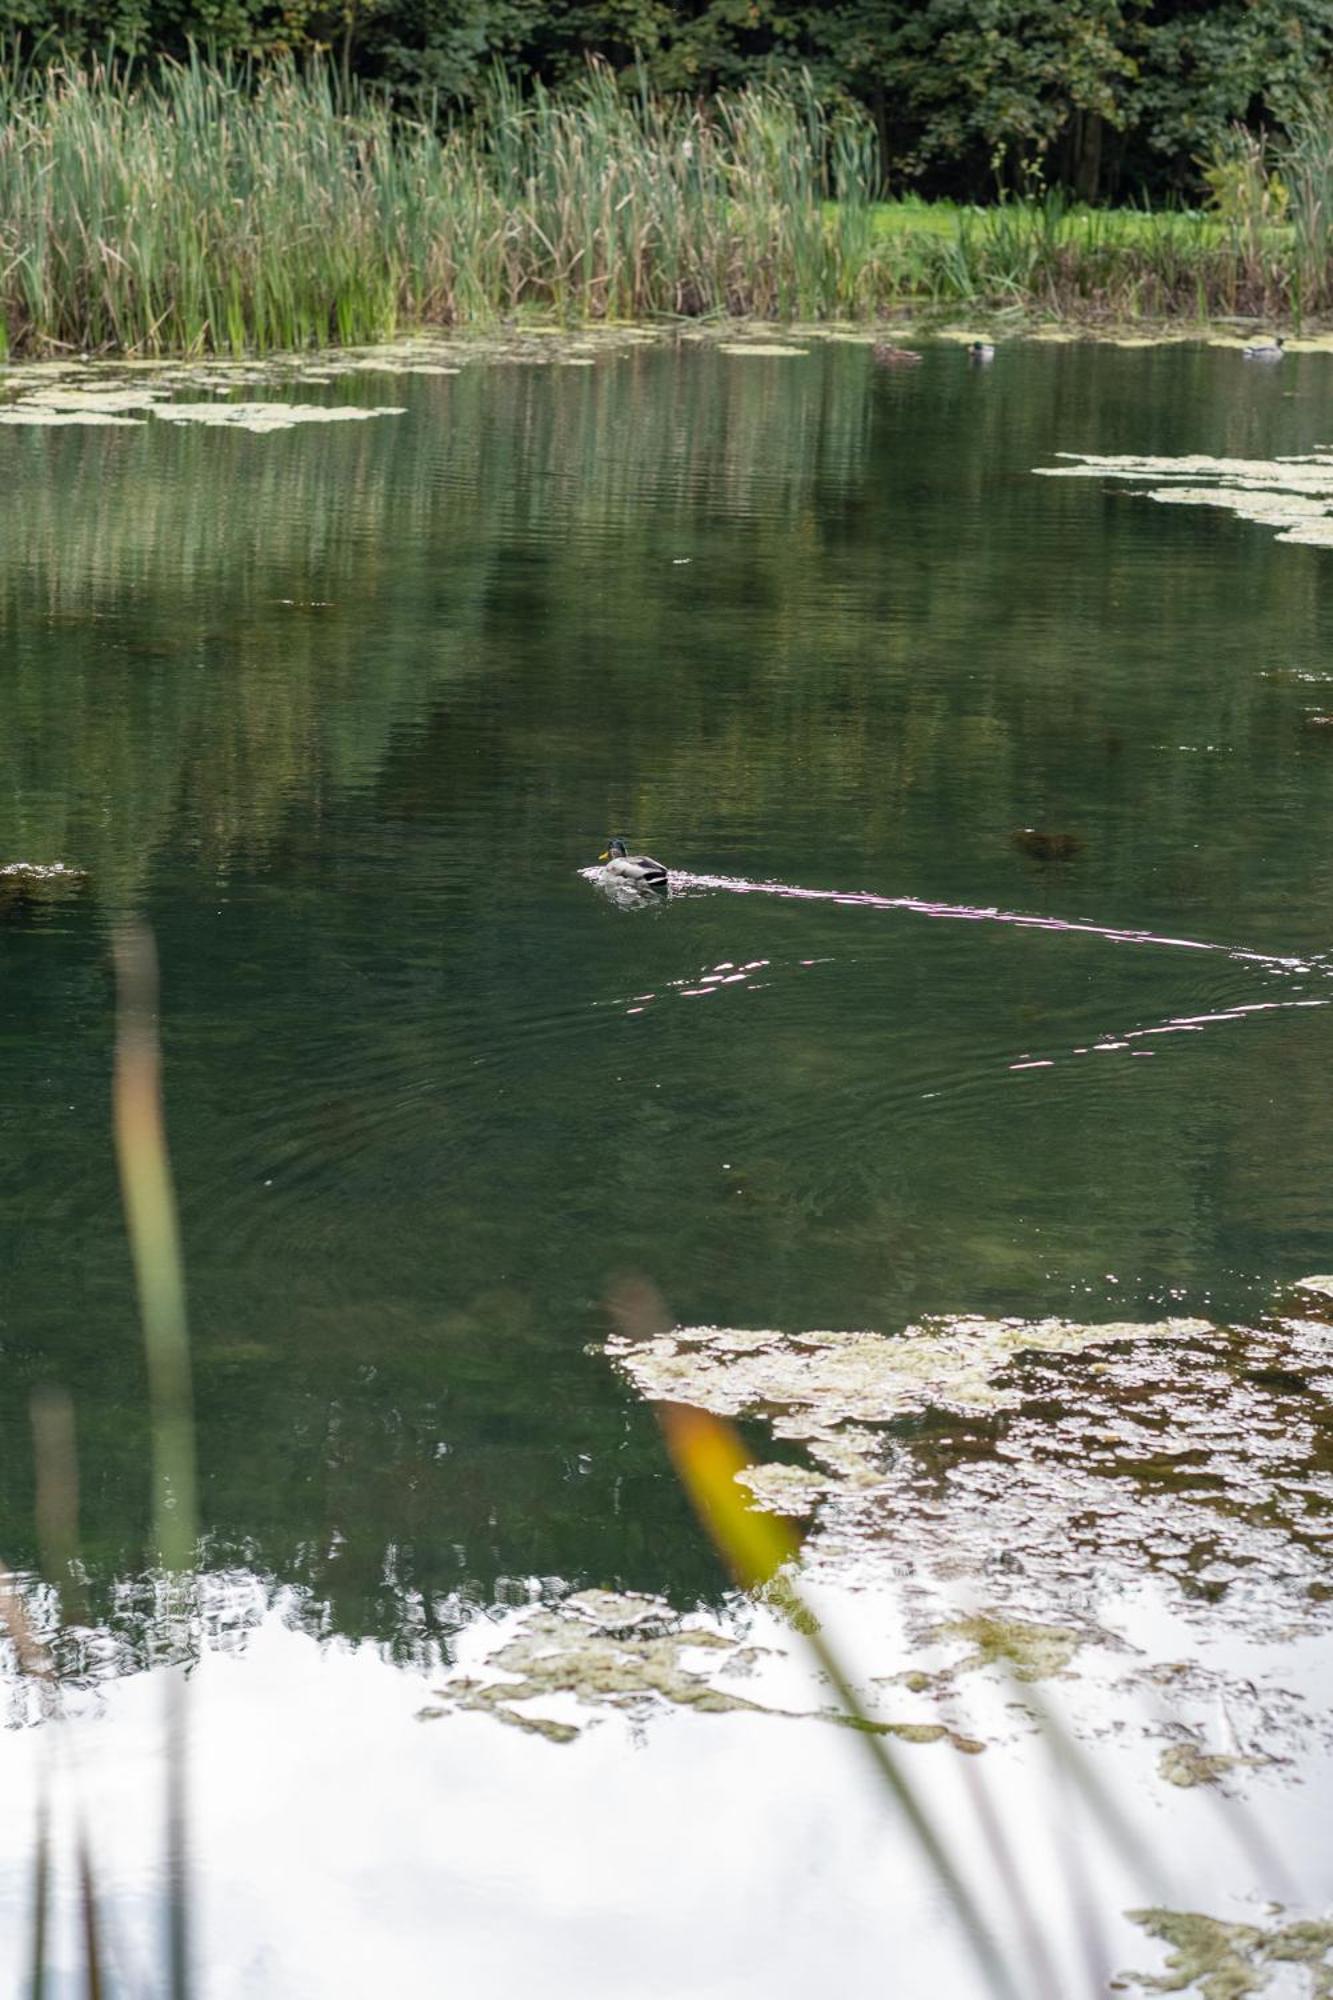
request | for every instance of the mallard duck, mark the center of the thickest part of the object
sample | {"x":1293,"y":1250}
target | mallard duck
{"x":981,"y":350}
{"x":1267,"y":352}
{"x":640,"y":869}
{"x":894,"y":357}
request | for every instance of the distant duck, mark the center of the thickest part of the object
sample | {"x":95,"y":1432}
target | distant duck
{"x":1267,"y":352}
{"x":639,"y":869}
{"x":981,"y":350}
{"x":895,"y":357}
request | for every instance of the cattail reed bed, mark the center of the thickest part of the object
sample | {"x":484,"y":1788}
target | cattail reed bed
{"x":198,"y":208}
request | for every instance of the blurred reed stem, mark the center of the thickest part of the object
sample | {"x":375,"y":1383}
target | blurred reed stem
{"x":150,"y":1215}
{"x":758,"y":1548}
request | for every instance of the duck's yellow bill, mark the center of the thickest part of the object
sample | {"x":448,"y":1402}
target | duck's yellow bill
{"x":606,"y":856}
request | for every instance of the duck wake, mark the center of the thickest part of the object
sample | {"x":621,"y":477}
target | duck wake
{"x":738,"y":885}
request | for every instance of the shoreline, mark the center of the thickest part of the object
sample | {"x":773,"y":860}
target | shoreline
{"x":432,"y":349}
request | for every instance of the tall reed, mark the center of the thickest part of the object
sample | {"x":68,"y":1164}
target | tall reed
{"x":194,"y":208}
{"x":205,"y":208}
{"x":1305,"y":163}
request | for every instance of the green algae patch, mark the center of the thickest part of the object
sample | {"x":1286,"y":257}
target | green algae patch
{"x":265,"y":417}
{"x":780,"y":1488}
{"x":1028,"y":1652}
{"x":929,"y":1732}
{"x":90,"y":391}
{"x":1188,"y":1764}
{"x":127,"y":406}
{"x":35,"y":417}
{"x":604,"y":1652}
{"x":1221,"y":1961}
{"x":961,"y":336}
{"x":762,"y":348}
{"x":827,"y":1389}
{"x":94,"y":401}
{"x":1292,"y":496}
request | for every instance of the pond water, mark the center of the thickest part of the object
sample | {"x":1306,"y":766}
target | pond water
{"x":344,"y":710}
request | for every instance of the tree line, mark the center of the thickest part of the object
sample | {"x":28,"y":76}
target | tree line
{"x":1106,"y":99}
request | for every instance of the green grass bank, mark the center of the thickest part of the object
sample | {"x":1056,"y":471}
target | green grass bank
{"x":195,"y":209}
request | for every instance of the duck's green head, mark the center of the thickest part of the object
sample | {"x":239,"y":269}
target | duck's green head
{"x":614,"y":851}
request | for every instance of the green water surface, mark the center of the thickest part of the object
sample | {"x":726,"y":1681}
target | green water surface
{"x":343,"y":711}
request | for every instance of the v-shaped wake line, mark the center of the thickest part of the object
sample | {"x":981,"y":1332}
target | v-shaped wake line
{"x":738,"y":885}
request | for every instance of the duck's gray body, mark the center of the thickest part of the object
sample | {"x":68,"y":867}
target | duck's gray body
{"x":639,"y":869}
{"x":1272,"y":352}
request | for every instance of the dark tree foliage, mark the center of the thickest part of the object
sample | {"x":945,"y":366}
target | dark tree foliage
{"x":1104,"y":97}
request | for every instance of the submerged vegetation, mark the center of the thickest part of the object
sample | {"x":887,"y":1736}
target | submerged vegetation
{"x":197,"y":208}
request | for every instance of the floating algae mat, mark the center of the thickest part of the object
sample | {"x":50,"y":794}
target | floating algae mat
{"x":1222,"y":1961}
{"x":1293,"y":495}
{"x":823,"y":1380}
{"x":126,"y":407}
{"x":1175,"y":1455}
{"x":761,"y":348}
{"x":558,"y":1667}
{"x":1134,"y":1514}
{"x":597,"y":1649}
